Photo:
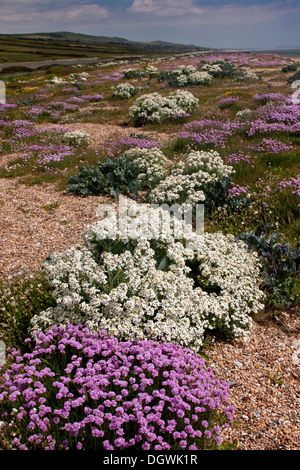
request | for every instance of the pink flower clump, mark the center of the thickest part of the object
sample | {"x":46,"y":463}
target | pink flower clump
{"x":83,"y":390}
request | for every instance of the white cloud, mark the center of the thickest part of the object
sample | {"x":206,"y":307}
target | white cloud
{"x":90,"y":12}
{"x":165,"y":7}
{"x":188,"y":13}
{"x":34,"y":19}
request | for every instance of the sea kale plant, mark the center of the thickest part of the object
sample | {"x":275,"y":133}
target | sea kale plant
{"x":201,"y":177}
{"x":125,"y":91}
{"x":81,"y":390}
{"x":171,"y":284}
{"x":135,"y":170}
{"x":145,"y":72}
{"x":193,"y":180}
{"x":280,"y":266}
{"x":155,"y":108}
{"x":76,"y":138}
{"x":185,"y":75}
{"x":220,"y":68}
{"x":108,"y":177}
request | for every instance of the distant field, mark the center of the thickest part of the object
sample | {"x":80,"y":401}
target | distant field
{"x":38,"y":50}
{"x":51,"y":46}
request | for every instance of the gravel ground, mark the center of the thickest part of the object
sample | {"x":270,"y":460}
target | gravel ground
{"x":266,"y":409}
{"x":37,"y":220}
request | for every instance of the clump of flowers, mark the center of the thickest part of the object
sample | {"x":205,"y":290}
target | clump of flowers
{"x":187,"y":180}
{"x":186,"y":75}
{"x":76,"y":138}
{"x":265,"y":98}
{"x":151,"y":165}
{"x":293,"y":182}
{"x":244,"y":114}
{"x":237,"y":191}
{"x":228,"y":102}
{"x":81,"y":76}
{"x":56,"y":81}
{"x":154,"y":108}
{"x":153,"y":280}
{"x":125,"y":91}
{"x":148,"y":71}
{"x":243,"y":74}
{"x":220,"y":68}
{"x":136,"y":169}
{"x":82,"y":390}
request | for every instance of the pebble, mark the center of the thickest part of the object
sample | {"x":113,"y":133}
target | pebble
{"x":238,"y":364}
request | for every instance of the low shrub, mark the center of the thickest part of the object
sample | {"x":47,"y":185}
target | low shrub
{"x":135,"y":170}
{"x":154,"y":108}
{"x":294,"y":77}
{"x":159,"y":282}
{"x":191,"y":181}
{"x":220,"y":68}
{"x":289,"y":68}
{"x":125,"y":91}
{"x":185,"y":76}
{"x":109,"y":177}
{"x":76,"y":138}
{"x":280,"y":266}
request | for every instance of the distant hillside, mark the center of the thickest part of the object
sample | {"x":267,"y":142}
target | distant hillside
{"x":88,"y":45}
{"x":48,"y":46}
{"x":99,"y":40}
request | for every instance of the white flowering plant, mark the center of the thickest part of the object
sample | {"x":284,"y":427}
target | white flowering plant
{"x":154,"y":108}
{"x":186,"y":75}
{"x":136,"y":169}
{"x":188,"y":180}
{"x":154,"y":286}
{"x":56,"y":81}
{"x":244,"y":114}
{"x":76,"y":138}
{"x":152,"y":165}
{"x":81,"y":76}
{"x":148,"y":71}
{"x":125,"y":91}
{"x":220,"y":68}
{"x":243,"y":74}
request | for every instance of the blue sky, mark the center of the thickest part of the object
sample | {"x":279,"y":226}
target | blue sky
{"x":210,"y":23}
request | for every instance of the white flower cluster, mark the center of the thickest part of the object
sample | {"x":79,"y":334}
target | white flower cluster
{"x":155,"y":108}
{"x":186,"y":75}
{"x":125,"y":91}
{"x":76,"y":138}
{"x":56,"y":81}
{"x":184,"y":184}
{"x":148,"y":71}
{"x":73,"y":78}
{"x":212,"y":69}
{"x":151,"y":163}
{"x":220,"y":68}
{"x":79,"y":76}
{"x":245,"y":74}
{"x":112,"y":64}
{"x":128,"y":295}
{"x":244,"y":114}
